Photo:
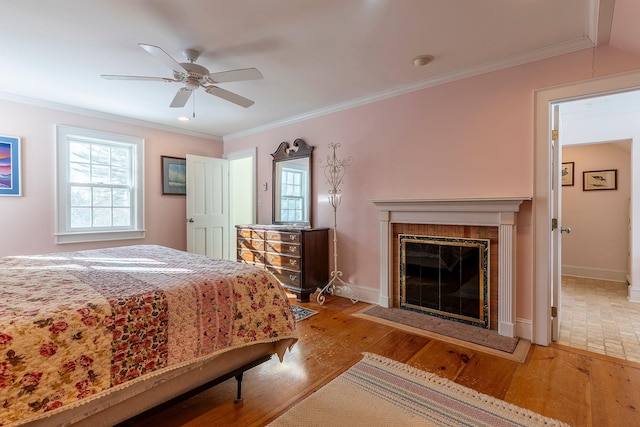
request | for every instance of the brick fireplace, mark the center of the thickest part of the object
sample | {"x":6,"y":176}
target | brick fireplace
{"x":493,"y":219}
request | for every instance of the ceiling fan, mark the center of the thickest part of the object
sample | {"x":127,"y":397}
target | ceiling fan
{"x":194,"y":76}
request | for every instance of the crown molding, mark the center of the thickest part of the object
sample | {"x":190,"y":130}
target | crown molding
{"x":500,"y":64}
{"x":503,"y":63}
{"x":4,"y":96}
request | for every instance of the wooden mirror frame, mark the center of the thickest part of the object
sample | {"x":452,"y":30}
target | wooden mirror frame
{"x":297,"y":152}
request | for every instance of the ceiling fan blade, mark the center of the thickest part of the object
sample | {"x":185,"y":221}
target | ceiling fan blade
{"x":163,"y":57}
{"x":181,"y":98}
{"x":229,"y":96}
{"x":154,"y":79}
{"x":235,"y":75}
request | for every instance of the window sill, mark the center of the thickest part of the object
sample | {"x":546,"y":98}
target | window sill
{"x":64,"y":238}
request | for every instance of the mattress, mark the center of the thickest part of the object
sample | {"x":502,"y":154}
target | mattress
{"x":77,"y":326}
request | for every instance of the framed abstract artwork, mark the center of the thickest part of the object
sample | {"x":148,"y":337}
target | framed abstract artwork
{"x":10,"y":173}
{"x":600,"y":180}
{"x":174,"y":175}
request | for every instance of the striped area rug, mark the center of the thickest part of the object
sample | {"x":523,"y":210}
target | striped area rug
{"x":381,"y":392}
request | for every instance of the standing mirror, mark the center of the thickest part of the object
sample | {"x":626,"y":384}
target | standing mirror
{"x":292,"y":183}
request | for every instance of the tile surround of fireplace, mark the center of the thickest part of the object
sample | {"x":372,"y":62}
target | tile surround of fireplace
{"x":498,"y":214}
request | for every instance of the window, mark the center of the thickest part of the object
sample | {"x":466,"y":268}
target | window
{"x":99,"y":186}
{"x":292,"y":195}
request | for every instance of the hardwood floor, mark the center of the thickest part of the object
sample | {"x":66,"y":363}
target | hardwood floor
{"x":574,"y":386}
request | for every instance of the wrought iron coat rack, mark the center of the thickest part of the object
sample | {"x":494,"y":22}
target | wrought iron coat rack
{"x":334,"y":171}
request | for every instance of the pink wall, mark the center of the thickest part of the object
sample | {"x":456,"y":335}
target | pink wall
{"x":28,"y":222}
{"x":470,"y":138}
{"x":625,"y":31}
{"x":599,"y":220}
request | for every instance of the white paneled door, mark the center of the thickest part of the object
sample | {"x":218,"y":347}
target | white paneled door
{"x":208,"y":206}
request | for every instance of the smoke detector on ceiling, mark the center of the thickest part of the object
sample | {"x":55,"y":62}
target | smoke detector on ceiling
{"x":422,"y":60}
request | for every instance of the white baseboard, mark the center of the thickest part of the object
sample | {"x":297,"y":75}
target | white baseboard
{"x":524,"y":329}
{"x":594,"y":273}
{"x":368,"y":295}
{"x":634,"y":295}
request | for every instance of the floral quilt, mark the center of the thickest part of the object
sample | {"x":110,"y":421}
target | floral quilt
{"x":75,"y":324}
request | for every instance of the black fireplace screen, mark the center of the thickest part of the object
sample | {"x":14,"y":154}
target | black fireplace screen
{"x":445,"y":277}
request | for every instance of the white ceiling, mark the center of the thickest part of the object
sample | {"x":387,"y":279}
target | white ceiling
{"x":316,"y":56}
{"x":582,"y":118}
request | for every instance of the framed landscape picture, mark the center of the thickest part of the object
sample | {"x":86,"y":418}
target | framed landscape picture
{"x":10,"y":178}
{"x":174,"y":175}
{"x":600,"y":180}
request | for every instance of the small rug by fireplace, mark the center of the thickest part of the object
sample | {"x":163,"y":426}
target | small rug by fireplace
{"x":459,"y":333}
{"x":382,"y":392}
{"x":302,"y":313}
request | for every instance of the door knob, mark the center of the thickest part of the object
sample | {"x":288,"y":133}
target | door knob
{"x":190,"y":220}
{"x":565,"y":230}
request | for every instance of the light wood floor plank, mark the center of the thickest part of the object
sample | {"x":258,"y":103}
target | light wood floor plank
{"x":574,"y":386}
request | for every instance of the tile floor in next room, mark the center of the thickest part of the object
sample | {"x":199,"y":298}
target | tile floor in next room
{"x":595,"y":315}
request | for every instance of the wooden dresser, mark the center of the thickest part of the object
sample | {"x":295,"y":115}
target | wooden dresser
{"x":298,"y":257}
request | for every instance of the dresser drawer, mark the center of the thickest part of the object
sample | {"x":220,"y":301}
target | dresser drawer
{"x":278,"y":260}
{"x":251,"y":244}
{"x":297,"y":257}
{"x":291,"y":237}
{"x":283,"y":248}
{"x":249,"y":233}
{"x":250,"y":256}
{"x":287,"y":277}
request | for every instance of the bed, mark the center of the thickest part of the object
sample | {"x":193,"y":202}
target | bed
{"x":95,"y":337}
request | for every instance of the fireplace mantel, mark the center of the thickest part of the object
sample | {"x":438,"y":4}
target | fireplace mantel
{"x":494,"y":211}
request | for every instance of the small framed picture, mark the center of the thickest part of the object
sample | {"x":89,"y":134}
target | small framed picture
{"x":10,"y":173}
{"x":567,"y":174}
{"x":600,"y":180}
{"x":174,"y":175}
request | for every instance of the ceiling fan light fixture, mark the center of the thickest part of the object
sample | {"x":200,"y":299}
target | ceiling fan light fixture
{"x":194,"y":76}
{"x":422,"y":60}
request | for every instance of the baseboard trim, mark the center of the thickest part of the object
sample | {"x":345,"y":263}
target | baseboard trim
{"x":634,"y":295}
{"x":524,"y":329}
{"x":594,"y":273}
{"x":368,"y":295}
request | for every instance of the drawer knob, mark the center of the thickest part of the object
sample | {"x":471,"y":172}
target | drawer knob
{"x":270,"y":235}
{"x":293,"y":237}
{"x":293,"y":261}
{"x":258,"y":244}
{"x":293,"y":278}
{"x":293,"y":249}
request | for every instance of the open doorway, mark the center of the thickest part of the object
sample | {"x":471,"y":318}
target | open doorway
{"x":595,"y":313}
{"x":242,"y":193}
{"x":221,"y":194}
{"x":625,"y":128}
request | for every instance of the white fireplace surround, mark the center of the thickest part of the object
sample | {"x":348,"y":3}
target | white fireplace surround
{"x":493,"y":212}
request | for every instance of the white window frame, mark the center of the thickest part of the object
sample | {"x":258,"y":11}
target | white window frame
{"x":302,"y":187}
{"x":63,"y":234}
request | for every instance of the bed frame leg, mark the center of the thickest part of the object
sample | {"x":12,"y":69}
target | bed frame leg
{"x":239,"y":391}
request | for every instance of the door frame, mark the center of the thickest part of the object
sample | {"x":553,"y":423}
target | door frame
{"x":248,"y":193}
{"x":556,"y":212}
{"x":542,"y":263}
